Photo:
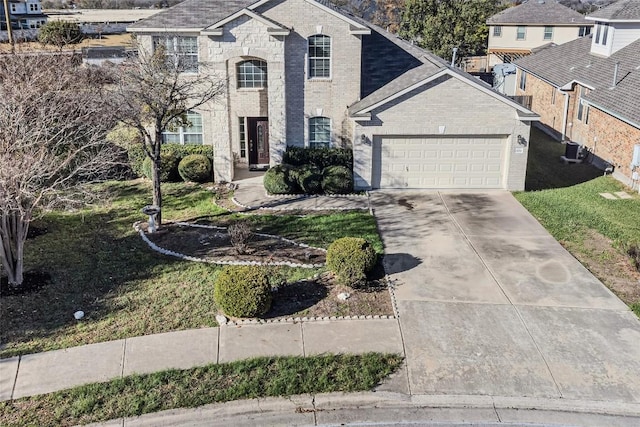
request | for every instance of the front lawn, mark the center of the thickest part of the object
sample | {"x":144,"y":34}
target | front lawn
{"x":597,"y":231}
{"x":143,"y":394}
{"x":99,"y":264}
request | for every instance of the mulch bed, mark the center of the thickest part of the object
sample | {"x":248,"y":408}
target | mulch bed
{"x":214,"y":244}
{"x":316,"y":296}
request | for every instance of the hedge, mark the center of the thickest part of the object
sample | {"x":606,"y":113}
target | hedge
{"x":319,"y":157}
{"x":137,"y":155}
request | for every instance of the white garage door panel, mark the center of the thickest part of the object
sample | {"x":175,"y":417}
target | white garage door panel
{"x":437,"y":162}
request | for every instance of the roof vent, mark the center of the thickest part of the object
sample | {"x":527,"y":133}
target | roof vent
{"x":615,"y":74}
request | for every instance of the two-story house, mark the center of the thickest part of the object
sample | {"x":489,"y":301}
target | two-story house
{"x":24,"y":14}
{"x":588,"y":90}
{"x":305,"y":73}
{"x":521,"y":30}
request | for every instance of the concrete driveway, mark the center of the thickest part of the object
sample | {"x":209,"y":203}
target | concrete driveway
{"x":491,"y":304}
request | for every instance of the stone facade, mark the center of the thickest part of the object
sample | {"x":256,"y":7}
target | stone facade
{"x":363,"y":60}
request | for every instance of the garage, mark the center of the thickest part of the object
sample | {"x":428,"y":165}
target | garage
{"x":434,"y":161}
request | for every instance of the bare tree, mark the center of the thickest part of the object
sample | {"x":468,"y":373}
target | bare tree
{"x":52,"y":141}
{"x":154,"y":92}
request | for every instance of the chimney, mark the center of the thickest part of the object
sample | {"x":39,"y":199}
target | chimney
{"x":615,"y":74}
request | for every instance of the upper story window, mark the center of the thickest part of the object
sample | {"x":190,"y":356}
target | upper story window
{"x":521,"y":32}
{"x":319,"y":56}
{"x":523,"y":80}
{"x":13,"y":8}
{"x":319,"y":132}
{"x":189,"y":134}
{"x":252,"y":74}
{"x":548,"y":33}
{"x":33,"y":7}
{"x":497,"y":31}
{"x":605,"y":31}
{"x":584,"y":31}
{"x":181,"y":50}
{"x":602,"y":31}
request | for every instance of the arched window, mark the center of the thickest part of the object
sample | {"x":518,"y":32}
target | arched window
{"x":319,"y":56}
{"x":190,"y":134}
{"x":319,"y":132}
{"x":252,"y":73}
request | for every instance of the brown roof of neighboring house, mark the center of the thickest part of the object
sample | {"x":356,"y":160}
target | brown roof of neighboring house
{"x":573,"y":62}
{"x":621,"y":10}
{"x":542,"y":12}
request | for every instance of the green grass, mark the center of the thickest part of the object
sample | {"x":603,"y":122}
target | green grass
{"x":99,"y":264}
{"x":545,"y":170}
{"x":141,"y":394}
{"x":568,"y":212}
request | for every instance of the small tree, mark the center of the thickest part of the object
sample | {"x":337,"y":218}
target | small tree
{"x":153,"y":94}
{"x":60,"y":33}
{"x":53,"y":124}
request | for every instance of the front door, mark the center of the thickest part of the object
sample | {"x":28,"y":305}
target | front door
{"x":258,"y":142}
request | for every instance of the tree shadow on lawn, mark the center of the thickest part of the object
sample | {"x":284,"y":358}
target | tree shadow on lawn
{"x":545,"y":169}
{"x":89,"y":267}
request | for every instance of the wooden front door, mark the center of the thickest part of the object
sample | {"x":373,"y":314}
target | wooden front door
{"x":258,"y":141}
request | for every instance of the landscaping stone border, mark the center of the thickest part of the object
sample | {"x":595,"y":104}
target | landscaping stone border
{"x":168,"y":252}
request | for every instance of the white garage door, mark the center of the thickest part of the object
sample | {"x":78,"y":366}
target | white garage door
{"x":437,"y":162}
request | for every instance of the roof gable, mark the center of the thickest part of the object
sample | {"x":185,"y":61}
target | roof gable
{"x":273,"y":27}
{"x":354,"y":26}
{"x":423,"y":75}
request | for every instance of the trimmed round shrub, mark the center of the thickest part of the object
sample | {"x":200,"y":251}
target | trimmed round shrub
{"x":168,"y":167}
{"x":195,"y":168}
{"x":350,"y":259}
{"x":280,"y":180}
{"x":309,"y":179}
{"x":243,"y":291}
{"x":337,"y":180}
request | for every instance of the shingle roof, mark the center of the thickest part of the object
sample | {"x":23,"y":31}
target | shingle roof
{"x":391,"y":70}
{"x":622,"y":10}
{"x":572,"y":61}
{"x":546,"y":12}
{"x":194,"y":14}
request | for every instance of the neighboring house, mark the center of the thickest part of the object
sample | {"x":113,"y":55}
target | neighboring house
{"x":588,"y":90}
{"x":305,"y":73}
{"x":24,"y":15}
{"x":101,"y":21}
{"x":521,"y":30}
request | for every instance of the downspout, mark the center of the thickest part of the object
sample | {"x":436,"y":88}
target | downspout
{"x":565,"y":115}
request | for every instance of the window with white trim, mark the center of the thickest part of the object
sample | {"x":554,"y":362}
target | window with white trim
{"x":523,"y":80}
{"x":319,"y":56}
{"x":521,"y":32}
{"x":243,"y":138}
{"x":182,"y":51}
{"x":605,"y":31}
{"x":319,"y":132}
{"x":548,"y":33}
{"x":497,"y":31}
{"x":191,"y":133}
{"x":252,"y":74}
{"x":584,"y":31}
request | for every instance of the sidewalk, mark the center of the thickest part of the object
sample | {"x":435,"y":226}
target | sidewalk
{"x":40,"y":373}
{"x":251,"y":194}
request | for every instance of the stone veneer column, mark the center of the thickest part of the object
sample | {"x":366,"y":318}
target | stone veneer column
{"x":277,"y":107}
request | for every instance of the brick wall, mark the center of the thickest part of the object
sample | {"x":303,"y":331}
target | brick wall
{"x":612,"y":140}
{"x":550,"y":109}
